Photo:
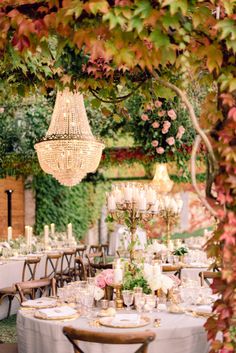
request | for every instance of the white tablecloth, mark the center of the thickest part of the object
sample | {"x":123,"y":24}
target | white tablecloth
{"x":11,"y":273}
{"x":179,"y":333}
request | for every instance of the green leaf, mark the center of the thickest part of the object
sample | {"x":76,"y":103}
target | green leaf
{"x":159,"y":38}
{"x":143,"y":9}
{"x":176,"y":5}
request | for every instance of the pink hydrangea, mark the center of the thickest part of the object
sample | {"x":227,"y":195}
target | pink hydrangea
{"x":160,"y":150}
{"x":181,"y":131}
{"x":100,"y":281}
{"x":158,"y":104}
{"x":105,"y":278}
{"x":161,"y":113}
{"x":155,"y":143}
{"x":155,"y":125}
{"x":144,"y":117}
{"x":170,"y":141}
{"x":172,"y":114}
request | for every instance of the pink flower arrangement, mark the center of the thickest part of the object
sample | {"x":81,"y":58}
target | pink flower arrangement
{"x":144,"y":117}
{"x":158,"y":104}
{"x":160,"y":150}
{"x":105,"y":278}
{"x":155,"y":125}
{"x":172,"y":114}
{"x":155,"y":143}
{"x":170,"y":141}
{"x":181,"y":131}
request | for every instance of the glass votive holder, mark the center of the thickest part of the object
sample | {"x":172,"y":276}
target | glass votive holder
{"x":138,"y":290}
{"x":104,"y":303}
{"x":112,"y":304}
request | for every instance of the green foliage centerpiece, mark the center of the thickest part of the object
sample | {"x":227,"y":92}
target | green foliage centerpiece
{"x":132,"y":204}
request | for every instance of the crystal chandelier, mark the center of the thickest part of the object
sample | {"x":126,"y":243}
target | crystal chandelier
{"x":161,"y":181}
{"x":69,"y":150}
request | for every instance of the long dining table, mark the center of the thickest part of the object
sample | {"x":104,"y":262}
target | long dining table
{"x":177,"y":333}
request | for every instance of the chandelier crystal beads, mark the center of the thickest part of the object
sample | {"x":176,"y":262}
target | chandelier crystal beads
{"x":69,"y":150}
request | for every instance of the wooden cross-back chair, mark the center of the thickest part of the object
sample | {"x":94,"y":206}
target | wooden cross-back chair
{"x":172,"y":268}
{"x":96,"y":261}
{"x":51,"y":265}
{"x":67,"y":267}
{"x":208,"y":276}
{"x":74,"y":335}
{"x":40,"y":287}
{"x":80,"y":251}
{"x":94,"y":249}
{"x":79,"y":270}
{"x":28,"y":273}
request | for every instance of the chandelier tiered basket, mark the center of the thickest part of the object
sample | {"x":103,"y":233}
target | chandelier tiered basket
{"x":69,"y":150}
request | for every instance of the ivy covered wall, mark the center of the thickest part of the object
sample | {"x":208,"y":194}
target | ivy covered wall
{"x":55,"y":203}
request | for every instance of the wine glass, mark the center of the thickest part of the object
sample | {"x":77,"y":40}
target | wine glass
{"x":139,"y":299}
{"x":128,"y":297}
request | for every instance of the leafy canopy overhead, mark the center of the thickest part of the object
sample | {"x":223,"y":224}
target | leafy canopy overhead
{"x":98,"y":43}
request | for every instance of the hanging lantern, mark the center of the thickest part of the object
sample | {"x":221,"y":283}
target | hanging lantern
{"x":161,"y":181}
{"x":69,"y":150}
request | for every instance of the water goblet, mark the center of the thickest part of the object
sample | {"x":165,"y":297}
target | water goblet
{"x":128,"y":297}
{"x":139,"y":300}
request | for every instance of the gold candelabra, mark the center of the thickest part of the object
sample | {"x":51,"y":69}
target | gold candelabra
{"x":128,"y":213}
{"x":170,"y":218}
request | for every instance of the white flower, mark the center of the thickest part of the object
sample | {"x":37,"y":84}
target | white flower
{"x":155,"y":247}
{"x":98,"y":293}
{"x":157,"y":280}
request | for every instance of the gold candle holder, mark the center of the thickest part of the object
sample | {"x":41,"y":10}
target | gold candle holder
{"x":118,"y":300}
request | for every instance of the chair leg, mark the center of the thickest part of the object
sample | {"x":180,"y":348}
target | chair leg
{"x":10,"y":298}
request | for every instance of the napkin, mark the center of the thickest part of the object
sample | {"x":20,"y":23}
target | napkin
{"x":39,"y":302}
{"x":120,"y":319}
{"x":63,"y":311}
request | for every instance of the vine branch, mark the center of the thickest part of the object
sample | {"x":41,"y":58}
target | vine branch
{"x":193,"y":176}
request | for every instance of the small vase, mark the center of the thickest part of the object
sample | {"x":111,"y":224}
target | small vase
{"x":108,"y":293}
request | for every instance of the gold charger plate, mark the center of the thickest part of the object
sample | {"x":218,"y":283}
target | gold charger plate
{"x":108,"y":322}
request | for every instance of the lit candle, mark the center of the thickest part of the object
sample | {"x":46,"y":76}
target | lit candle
{"x":9,"y":234}
{"x":52,"y":228}
{"x":69,"y":231}
{"x":27,"y":235}
{"x":46,"y":234}
{"x":118,"y":275}
{"x":111,"y":203}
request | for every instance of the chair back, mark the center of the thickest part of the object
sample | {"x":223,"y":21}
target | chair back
{"x":79,"y":271}
{"x":94,"y":259}
{"x":80,"y":251}
{"x":143,"y":338}
{"x":208,"y":276}
{"x":94,"y":249}
{"x":51,"y":266}
{"x":172,"y":268}
{"x":41,"y":287}
{"x":67,"y":261}
{"x":29,"y":268}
